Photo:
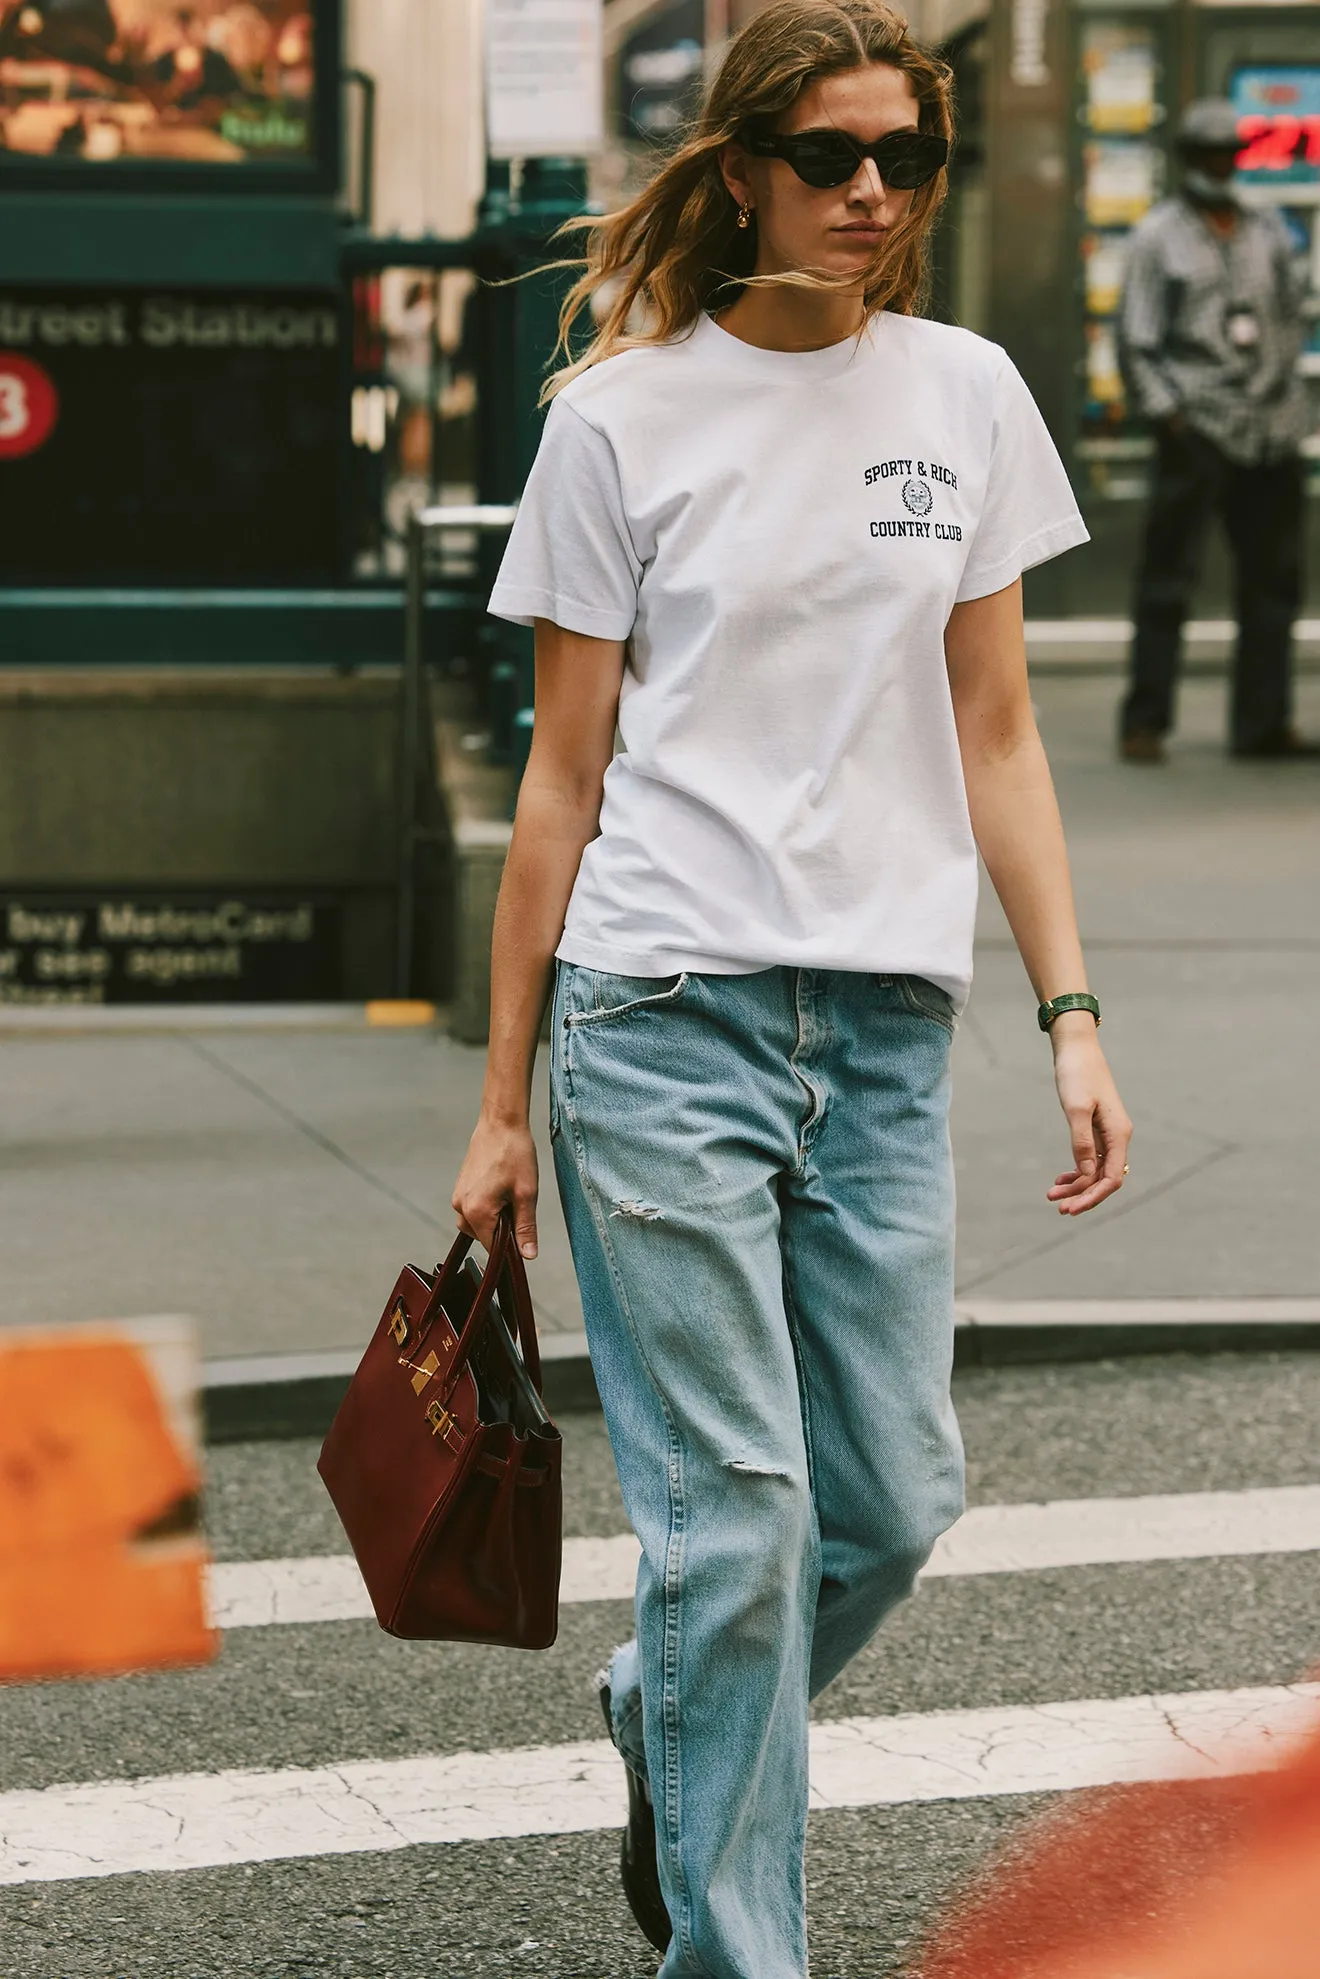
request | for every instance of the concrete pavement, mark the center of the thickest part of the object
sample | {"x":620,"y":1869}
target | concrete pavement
{"x":271,"y":1182}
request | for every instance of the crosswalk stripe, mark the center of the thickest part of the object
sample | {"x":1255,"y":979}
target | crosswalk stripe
{"x":258,"y":1593}
{"x":1095,"y":1532}
{"x":989,"y":1539}
{"x":204,"y":1820}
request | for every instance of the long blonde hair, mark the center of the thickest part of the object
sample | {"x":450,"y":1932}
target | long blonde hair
{"x":665,"y":256}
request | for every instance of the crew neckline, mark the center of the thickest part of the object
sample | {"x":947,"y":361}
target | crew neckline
{"x":788,"y":365}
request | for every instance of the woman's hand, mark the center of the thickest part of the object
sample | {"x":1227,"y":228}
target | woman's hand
{"x":1099,"y":1127}
{"x":499,"y":1169}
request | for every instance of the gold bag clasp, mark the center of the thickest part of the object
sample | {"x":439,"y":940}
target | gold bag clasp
{"x":399,"y":1323}
{"x":439,"y":1418}
{"x":422,"y":1375}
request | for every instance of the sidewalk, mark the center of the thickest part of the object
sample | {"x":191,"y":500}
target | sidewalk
{"x":271,"y":1182}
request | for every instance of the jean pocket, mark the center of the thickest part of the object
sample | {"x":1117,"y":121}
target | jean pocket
{"x":620,"y":996}
{"x":926,"y":999}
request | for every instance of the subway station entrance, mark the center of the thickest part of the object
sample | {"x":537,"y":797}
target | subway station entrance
{"x":205,"y":485}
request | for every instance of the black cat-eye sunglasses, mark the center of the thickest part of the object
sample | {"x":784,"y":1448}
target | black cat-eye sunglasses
{"x":824,"y":158}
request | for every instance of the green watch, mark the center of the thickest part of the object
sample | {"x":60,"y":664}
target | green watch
{"x":1056,"y":1006}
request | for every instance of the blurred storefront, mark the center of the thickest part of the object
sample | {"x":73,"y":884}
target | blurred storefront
{"x":1082,"y":102}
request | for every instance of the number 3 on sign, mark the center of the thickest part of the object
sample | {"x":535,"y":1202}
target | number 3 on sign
{"x":29,"y":405}
{"x":15,"y":407}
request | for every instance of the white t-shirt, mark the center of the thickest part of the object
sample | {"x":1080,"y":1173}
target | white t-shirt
{"x":780,"y":536}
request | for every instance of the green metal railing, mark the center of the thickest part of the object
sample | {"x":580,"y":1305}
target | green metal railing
{"x":417,"y":765}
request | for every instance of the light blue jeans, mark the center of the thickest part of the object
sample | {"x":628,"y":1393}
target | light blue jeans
{"x":756,"y":1177}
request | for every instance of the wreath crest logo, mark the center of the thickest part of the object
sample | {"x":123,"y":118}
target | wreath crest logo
{"x":917,"y":497}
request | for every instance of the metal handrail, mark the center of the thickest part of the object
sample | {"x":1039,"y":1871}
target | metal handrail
{"x":484,"y":518}
{"x":487,"y":516}
{"x":366,"y":82}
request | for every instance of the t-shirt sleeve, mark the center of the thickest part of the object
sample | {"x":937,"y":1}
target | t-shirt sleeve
{"x":570,"y":556}
{"x":1030,"y":512}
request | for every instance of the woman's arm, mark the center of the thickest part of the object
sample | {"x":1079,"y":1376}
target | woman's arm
{"x":577,"y":702}
{"x":1016,"y":821}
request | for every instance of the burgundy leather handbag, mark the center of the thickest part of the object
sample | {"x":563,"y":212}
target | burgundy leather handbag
{"x":443,"y":1464}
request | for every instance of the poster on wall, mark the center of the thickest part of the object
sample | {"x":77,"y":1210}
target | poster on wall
{"x":1103,"y":258}
{"x":1104,"y":383}
{"x":1118,"y":60}
{"x":545,"y":84}
{"x":1121,"y":181}
{"x":110,"y":83}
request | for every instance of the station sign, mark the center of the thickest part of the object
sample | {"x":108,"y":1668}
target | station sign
{"x":171,"y":438}
{"x":104,"y":88}
{"x":181,"y":948}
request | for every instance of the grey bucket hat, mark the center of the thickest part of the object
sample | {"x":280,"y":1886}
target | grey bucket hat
{"x":1209,"y":124}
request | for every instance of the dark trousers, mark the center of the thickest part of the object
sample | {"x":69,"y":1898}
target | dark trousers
{"x":1261,"y":509}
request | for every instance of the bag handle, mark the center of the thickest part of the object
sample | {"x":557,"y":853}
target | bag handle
{"x":443,"y":1283}
{"x":504,"y":1265}
{"x":524,"y":1317}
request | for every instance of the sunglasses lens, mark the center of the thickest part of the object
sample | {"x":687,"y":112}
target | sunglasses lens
{"x":824,"y":160}
{"x":913,"y":162}
{"x":820,"y":162}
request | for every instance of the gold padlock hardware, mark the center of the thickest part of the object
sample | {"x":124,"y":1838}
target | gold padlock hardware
{"x":439,"y":1418}
{"x":429,"y":1367}
{"x":399,"y":1322}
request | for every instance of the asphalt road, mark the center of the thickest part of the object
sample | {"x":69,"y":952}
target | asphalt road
{"x":549,"y":1906}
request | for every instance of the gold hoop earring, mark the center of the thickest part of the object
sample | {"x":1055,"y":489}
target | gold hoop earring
{"x":744,"y":216}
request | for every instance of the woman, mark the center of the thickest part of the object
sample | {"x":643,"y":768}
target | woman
{"x":776,"y":534}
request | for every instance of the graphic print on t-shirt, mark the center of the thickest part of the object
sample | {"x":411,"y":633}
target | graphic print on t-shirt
{"x":918,"y":495}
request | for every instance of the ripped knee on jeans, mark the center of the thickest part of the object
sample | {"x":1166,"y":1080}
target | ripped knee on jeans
{"x":636,"y":1211}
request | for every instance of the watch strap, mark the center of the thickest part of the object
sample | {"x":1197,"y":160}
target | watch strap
{"x":1056,"y":1006}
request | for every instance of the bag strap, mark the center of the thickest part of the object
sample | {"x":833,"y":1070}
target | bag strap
{"x":516,"y":1281}
{"x":443,"y":1283}
{"x":504,"y":1265}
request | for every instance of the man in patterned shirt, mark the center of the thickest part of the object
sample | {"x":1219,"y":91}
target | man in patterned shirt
{"x":1210,"y":330}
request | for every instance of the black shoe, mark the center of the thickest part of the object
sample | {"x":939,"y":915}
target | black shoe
{"x":637,"y":1863}
{"x":1286,"y":747}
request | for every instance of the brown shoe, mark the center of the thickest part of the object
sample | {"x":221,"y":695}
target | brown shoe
{"x":1287,"y":746}
{"x":1142,"y":746}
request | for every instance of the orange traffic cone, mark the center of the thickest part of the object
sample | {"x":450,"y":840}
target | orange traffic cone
{"x":1190,"y":1879}
{"x":101,"y":1570}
